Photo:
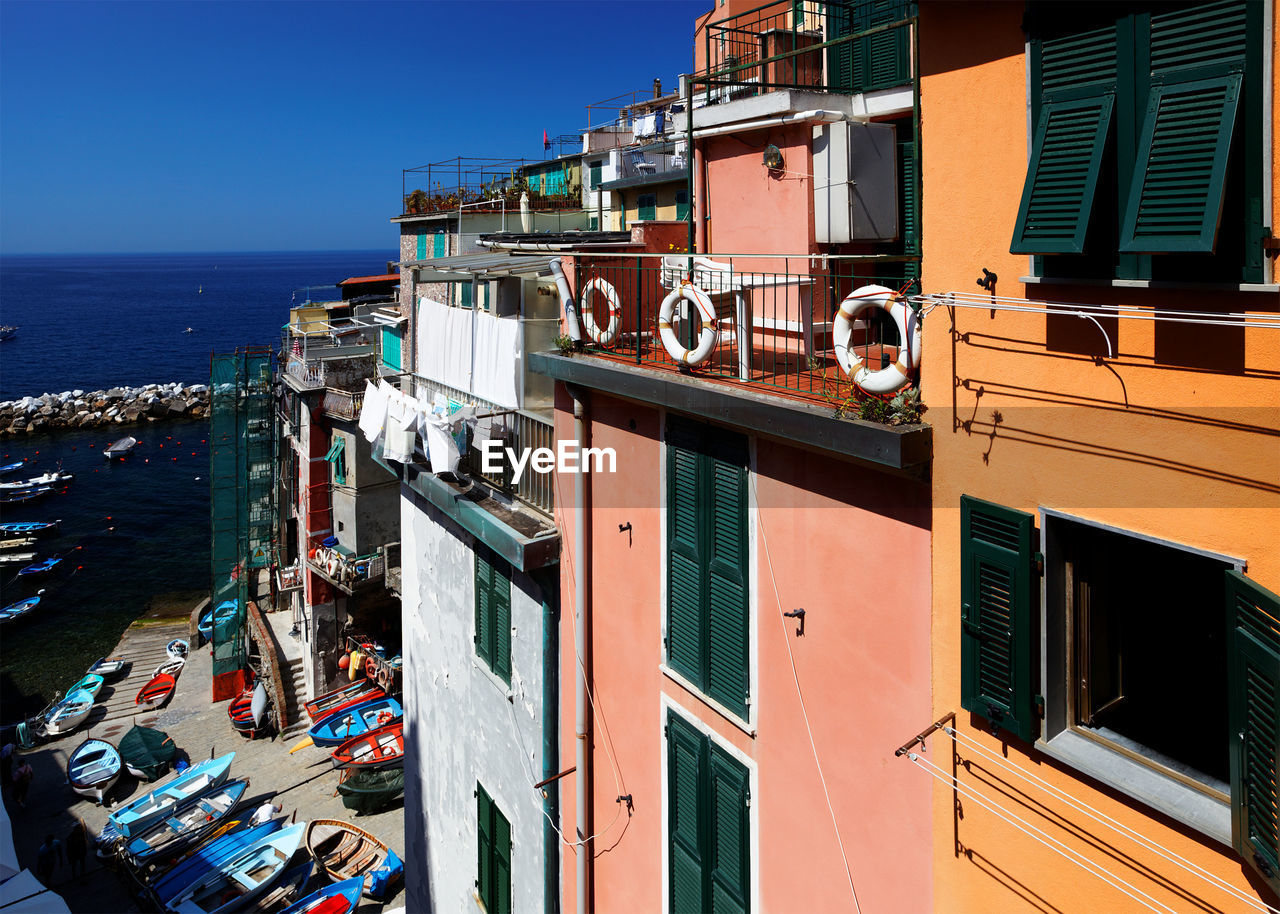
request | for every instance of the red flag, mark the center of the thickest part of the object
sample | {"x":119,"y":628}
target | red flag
{"x":546,"y":142}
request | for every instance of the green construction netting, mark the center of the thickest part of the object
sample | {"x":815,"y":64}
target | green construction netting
{"x":240,"y":473}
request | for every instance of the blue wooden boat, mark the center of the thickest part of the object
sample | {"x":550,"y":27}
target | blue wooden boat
{"x":330,"y":899}
{"x":24,"y":495}
{"x":8,"y":468}
{"x":92,"y":768}
{"x":186,"y":826}
{"x":167,"y":798}
{"x":91,"y":683}
{"x":339,"y":727}
{"x":15,"y":611}
{"x":208,"y":857}
{"x":242,"y":878}
{"x":287,"y":886}
{"x":109,"y":667}
{"x":226,"y":611}
{"x":42,"y":567}
{"x":29,"y":528}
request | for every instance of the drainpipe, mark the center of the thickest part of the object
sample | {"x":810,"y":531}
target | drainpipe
{"x":581,"y":720}
{"x":573,"y":326}
{"x":550,"y":586}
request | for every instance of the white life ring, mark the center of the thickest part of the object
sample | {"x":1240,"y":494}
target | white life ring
{"x":610,"y":333}
{"x":897,"y":375}
{"x":706,"y":339}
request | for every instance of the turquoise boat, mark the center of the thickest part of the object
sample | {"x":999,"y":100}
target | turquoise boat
{"x":340,"y":726}
{"x":207,"y":858}
{"x":91,"y":683}
{"x":242,"y":878}
{"x":166,"y":799}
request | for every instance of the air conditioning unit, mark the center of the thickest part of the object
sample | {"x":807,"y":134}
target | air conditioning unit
{"x":855,"y":183}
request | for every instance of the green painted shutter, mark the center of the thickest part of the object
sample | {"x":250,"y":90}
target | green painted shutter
{"x":484,"y":608}
{"x":684,"y":825}
{"x":1253,"y":644}
{"x":500,"y":602}
{"x":422,"y":247}
{"x":391,"y":347}
{"x":438,"y":244}
{"x":730,"y":810}
{"x":727,"y":630}
{"x":1062,"y":178}
{"x":682,"y":204}
{"x":647,"y":207}
{"x":468,"y":293}
{"x":337,"y":457}
{"x":1198,"y":35}
{"x":882,"y":60}
{"x":1175,"y":198}
{"x":594,"y":175}
{"x":909,"y":219}
{"x":997,"y":614}
{"x":839,"y":57}
{"x":685,"y":600}
{"x":484,"y":844}
{"x":501,"y":903}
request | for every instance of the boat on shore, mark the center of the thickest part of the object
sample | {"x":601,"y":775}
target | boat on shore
{"x":187,"y":826}
{"x":346,"y":851}
{"x":171,"y":667}
{"x":177,"y":793}
{"x":109,"y":667}
{"x":147,"y":752}
{"x":93,"y":768}
{"x":156,"y":692}
{"x":177,"y":649}
{"x":341,"y":726}
{"x":381,"y":748}
{"x":337,"y":898}
{"x":90,"y":682}
{"x":120,"y":448}
{"x":242,"y":878}
{"x":347,"y":696}
{"x":206,"y":858}
{"x":368,"y":790}
{"x":68,"y":714}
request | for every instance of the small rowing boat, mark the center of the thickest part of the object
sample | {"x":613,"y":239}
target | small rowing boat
{"x":17,"y":542}
{"x":206,"y":858}
{"x":177,"y":649}
{"x":120,"y":448}
{"x":346,"y":851}
{"x":187,"y":826}
{"x":21,"y":496}
{"x":156,"y":692}
{"x":16,"y":558}
{"x":381,"y":748}
{"x":287,"y":886}
{"x":90,"y":682}
{"x":8,"y":468}
{"x":172,"y":667}
{"x":15,"y":611}
{"x":226,"y":611}
{"x":368,"y":790}
{"x":42,"y":567}
{"x":338,"y":898}
{"x":68,"y":714}
{"x":341,"y":726}
{"x":248,"y":710}
{"x":29,"y":528}
{"x":109,"y":667}
{"x":345,"y":697}
{"x":147,"y":752}
{"x":176,"y":794}
{"x":44,"y":479}
{"x":242,"y":878}
{"x":93,"y":767}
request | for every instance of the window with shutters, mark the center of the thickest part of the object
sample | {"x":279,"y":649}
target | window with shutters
{"x":593,"y":175}
{"x":422,"y":247}
{"x":708,"y":824}
{"x":682,"y":205}
{"x":1153,"y":681}
{"x":493,"y":855}
{"x":493,"y":612}
{"x":439,"y":244}
{"x":1146,"y":159}
{"x":337,"y":457}
{"x":647,"y":207}
{"x":707,"y":632}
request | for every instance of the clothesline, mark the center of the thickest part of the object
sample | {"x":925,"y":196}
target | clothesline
{"x":399,"y":420}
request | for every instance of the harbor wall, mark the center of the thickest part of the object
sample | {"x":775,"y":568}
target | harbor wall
{"x":102,"y":408}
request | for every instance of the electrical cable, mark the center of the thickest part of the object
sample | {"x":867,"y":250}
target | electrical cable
{"x":1031,"y":831}
{"x":1104,"y":819}
{"x":978,"y":302}
{"x":800,"y":694}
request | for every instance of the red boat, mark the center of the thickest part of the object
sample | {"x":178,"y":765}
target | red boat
{"x":381,"y":748}
{"x":156,"y":692}
{"x":331,"y":702}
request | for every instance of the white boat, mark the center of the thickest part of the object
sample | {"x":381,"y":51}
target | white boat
{"x":120,"y":448}
{"x":92,"y":768}
{"x":177,"y":649}
{"x":69,"y":713}
{"x":161,"y":802}
{"x":44,"y":479}
{"x":109,"y":667}
{"x":173,"y":666}
{"x":16,"y":558}
{"x":236,"y":883}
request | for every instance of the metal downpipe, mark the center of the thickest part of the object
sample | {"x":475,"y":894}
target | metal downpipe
{"x":582,"y":746}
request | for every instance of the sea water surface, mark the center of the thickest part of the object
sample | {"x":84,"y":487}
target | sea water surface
{"x":135,"y":535}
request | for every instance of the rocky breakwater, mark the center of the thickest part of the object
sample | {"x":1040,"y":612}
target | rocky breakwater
{"x":117,"y":406}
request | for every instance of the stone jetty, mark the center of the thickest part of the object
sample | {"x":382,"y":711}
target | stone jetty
{"x":117,"y":406}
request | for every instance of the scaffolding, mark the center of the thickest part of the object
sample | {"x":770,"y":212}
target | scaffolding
{"x":240,"y":473}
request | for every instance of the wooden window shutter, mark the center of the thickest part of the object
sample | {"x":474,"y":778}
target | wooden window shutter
{"x":726,"y":557}
{"x":1062,"y":177}
{"x":881,"y":60}
{"x":500,"y":603}
{"x":438,"y":244}
{"x":422,"y":247}
{"x":1175,"y":198}
{"x":484,"y":609}
{"x":730,"y":811}
{"x":685,"y":590}
{"x":484,"y":844}
{"x":997,"y":615}
{"x":501,"y":868}
{"x":684,"y":824}
{"x":1253,"y":651}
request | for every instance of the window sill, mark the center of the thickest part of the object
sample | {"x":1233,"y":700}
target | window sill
{"x":1178,"y":801}
{"x":743,"y":725}
{"x":495,"y":680}
{"x":1154,"y":284}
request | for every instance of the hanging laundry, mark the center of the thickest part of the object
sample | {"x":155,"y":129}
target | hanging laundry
{"x":373,"y":412}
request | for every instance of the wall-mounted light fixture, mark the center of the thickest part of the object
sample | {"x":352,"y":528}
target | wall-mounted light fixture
{"x":773,"y":158}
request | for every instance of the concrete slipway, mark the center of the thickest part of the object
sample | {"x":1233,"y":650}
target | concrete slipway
{"x":305,"y":781}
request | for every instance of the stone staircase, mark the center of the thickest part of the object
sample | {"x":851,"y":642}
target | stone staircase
{"x":295,"y":693}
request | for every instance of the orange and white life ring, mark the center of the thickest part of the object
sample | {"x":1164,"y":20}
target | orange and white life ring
{"x":707,"y":338}
{"x":897,"y":375}
{"x":384,"y":718}
{"x":371,"y":668}
{"x":610,"y":332}
{"x":384,"y":678}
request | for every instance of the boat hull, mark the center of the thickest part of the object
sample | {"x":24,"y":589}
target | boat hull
{"x":380,"y":748}
{"x":341,"y":726}
{"x":156,"y":692}
{"x":348,"y":696}
{"x":346,"y":851}
{"x":167,"y":798}
{"x":93,"y":769}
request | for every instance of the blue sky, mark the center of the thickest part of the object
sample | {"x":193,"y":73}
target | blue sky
{"x":241,"y":126}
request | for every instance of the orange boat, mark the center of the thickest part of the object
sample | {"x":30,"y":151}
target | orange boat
{"x":156,"y":692}
{"x":381,"y":748}
{"x":339,"y":699}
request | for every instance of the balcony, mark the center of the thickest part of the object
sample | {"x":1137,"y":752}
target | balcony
{"x":847,"y":46}
{"x":348,"y":572}
{"x":479,"y":185}
{"x":319,"y":353}
{"x":767,"y":328}
{"x":343,"y":404}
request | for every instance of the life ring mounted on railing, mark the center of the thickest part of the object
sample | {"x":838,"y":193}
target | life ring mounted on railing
{"x":895,"y":376}
{"x":707,"y":338}
{"x":602,"y":286}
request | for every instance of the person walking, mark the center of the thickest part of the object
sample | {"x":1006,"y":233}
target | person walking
{"x":48,"y":855}
{"x":77,"y":848}
{"x":22,"y":776}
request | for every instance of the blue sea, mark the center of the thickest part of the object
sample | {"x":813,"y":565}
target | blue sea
{"x":135,"y":535}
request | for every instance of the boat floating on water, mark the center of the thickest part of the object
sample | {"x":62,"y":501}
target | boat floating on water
{"x":93,"y":767}
{"x":6,"y":469}
{"x":51,"y":478}
{"x":120,"y":448}
{"x":29,"y":528}
{"x":15,"y":611}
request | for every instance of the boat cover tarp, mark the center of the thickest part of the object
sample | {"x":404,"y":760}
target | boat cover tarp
{"x":148,"y":750}
{"x":24,"y":892}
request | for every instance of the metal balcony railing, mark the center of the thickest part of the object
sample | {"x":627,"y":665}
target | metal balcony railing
{"x":841,"y":46}
{"x":480,"y":185}
{"x":343,"y":404}
{"x":525,"y":430}
{"x":773,"y":318}
{"x":348,"y":571}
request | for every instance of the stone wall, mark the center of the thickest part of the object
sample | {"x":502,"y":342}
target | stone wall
{"x":99,"y":408}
